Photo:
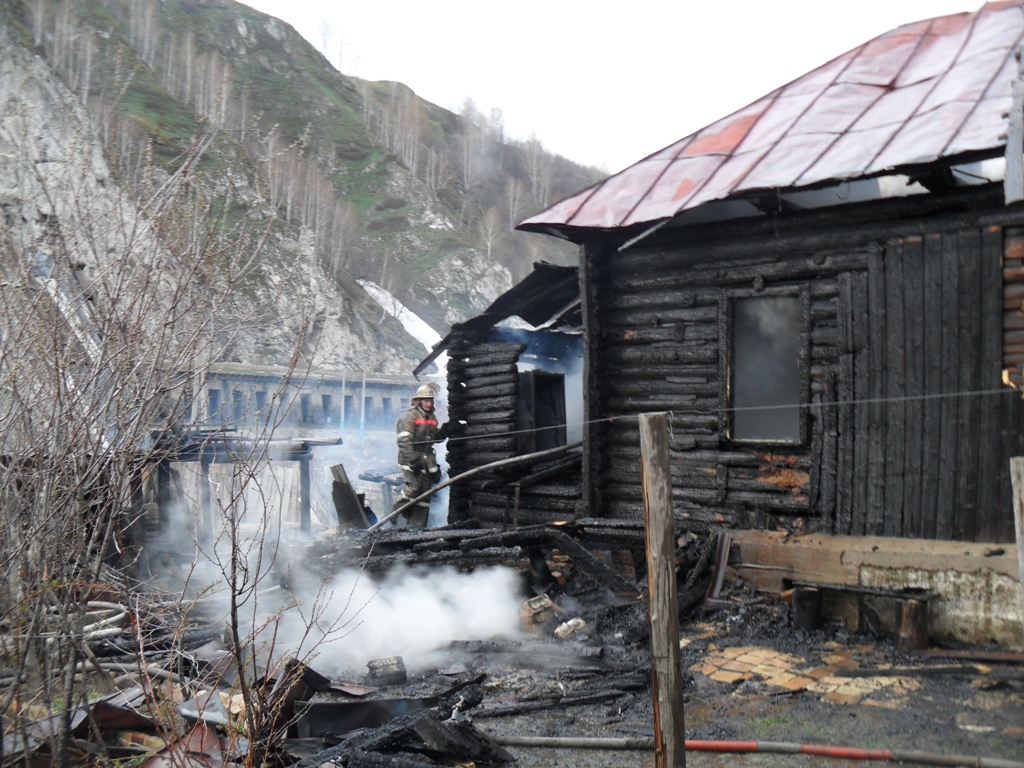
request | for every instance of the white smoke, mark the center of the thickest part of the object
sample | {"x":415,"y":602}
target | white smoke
{"x":412,"y":613}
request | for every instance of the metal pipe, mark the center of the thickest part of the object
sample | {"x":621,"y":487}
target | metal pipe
{"x":501,"y":463}
{"x":771,"y":747}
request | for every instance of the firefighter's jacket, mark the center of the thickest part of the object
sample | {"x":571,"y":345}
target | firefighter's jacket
{"x":417,"y":433}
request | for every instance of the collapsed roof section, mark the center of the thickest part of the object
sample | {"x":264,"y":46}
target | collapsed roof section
{"x":547,"y":297}
{"x":935,"y":90}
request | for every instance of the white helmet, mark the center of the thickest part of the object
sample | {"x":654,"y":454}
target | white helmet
{"x":425,"y":391}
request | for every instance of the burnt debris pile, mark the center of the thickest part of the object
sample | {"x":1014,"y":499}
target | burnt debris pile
{"x":160,"y":681}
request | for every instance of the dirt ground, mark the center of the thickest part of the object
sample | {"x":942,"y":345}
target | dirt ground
{"x":749,"y":676}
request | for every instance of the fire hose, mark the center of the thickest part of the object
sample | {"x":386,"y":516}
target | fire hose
{"x":524,"y":459}
{"x":773,"y":747}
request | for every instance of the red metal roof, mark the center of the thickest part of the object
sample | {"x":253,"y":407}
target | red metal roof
{"x":923,"y":92}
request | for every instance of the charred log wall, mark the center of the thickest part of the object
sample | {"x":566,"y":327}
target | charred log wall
{"x":482,"y":392}
{"x":482,"y":384}
{"x":908,"y":309}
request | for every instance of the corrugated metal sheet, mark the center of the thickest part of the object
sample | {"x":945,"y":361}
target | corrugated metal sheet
{"x":920,"y":93}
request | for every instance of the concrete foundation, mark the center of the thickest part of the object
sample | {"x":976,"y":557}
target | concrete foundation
{"x":978,"y":584}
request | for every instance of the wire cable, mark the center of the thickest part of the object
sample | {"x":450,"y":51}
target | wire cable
{"x":738,"y":409}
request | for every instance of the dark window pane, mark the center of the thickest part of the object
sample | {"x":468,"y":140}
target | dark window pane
{"x":766,"y":368}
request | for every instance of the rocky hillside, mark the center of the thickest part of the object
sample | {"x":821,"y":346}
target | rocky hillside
{"x":324,"y":178}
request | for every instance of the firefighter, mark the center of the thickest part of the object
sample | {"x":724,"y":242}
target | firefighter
{"x":417,"y":432}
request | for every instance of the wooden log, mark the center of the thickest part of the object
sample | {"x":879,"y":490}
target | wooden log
{"x":486,"y":362}
{"x":912,"y":625}
{"x":476,"y":382}
{"x":490,"y":405}
{"x":966,"y":512}
{"x":950,"y":435}
{"x":1017,"y":478}
{"x":620,"y":388}
{"x":895,"y":387}
{"x":876,"y":410}
{"x":914,"y":314}
{"x":494,"y":391}
{"x":647,"y":354}
{"x":509,"y":349}
{"x":931,"y":432}
{"x":861,"y":391}
{"x":457,"y":371}
{"x":663,"y":607}
{"x":844,"y":414}
{"x":989,"y":460}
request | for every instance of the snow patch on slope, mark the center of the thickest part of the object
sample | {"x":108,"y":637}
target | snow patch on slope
{"x":413,"y":324}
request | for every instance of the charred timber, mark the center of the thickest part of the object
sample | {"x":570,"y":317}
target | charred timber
{"x":473,"y":392}
{"x":474,"y":557}
{"x":540,"y":706}
{"x":476,"y":382}
{"x":527,"y":516}
{"x":479,"y":350}
{"x":476,"y":369}
{"x":477,"y":364}
{"x":515,"y":646}
{"x":491,"y":405}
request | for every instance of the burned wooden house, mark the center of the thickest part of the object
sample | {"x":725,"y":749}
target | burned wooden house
{"x":515,"y":388}
{"x":823,"y":289}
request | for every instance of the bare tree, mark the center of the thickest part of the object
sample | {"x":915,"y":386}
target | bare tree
{"x":325,"y":35}
{"x":490,"y":230}
{"x":515,"y":193}
{"x":114,"y":302}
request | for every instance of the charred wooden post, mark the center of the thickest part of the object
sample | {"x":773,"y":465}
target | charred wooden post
{"x":346,"y":504}
{"x":305,"y":503}
{"x":669,"y":725}
{"x":1017,"y":473}
{"x":912,"y":625}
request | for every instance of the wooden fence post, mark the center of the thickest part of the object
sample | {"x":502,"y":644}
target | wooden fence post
{"x":662,"y":600}
{"x":1017,"y":478}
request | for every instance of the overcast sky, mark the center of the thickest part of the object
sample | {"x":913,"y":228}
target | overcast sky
{"x":600,"y":83}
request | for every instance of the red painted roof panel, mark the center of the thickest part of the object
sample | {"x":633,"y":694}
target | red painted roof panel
{"x":773,"y":124}
{"x":682,"y":179}
{"x":976,"y":132}
{"x":619,"y":194}
{"x":724,"y":181}
{"x":916,"y":95}
{"x":881,"y":61}
{"x":968,"y":80}
{"x":895,"y":107}
{"x":850,"y":156}
{"x":788,"y":160}
{"x":923,"y":138}
{"x":937,"y":50}
{"x":838,"y":108}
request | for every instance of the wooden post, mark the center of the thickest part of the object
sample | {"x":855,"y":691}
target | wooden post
{"x":341,"y":421}
{"x":1017,"y":478}
{"x":362,"y":410}
{"x":663,"y":608}
{"x":305,"y":503}
{"x":913,"y":625}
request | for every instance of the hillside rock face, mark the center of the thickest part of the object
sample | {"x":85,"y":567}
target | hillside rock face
{"x":62,"y":204}
{"x":293,"y":179}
